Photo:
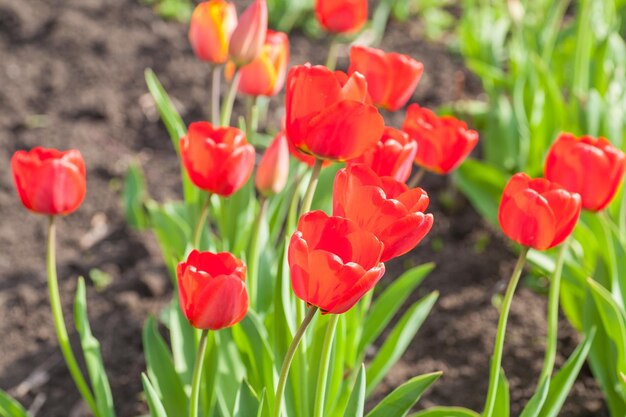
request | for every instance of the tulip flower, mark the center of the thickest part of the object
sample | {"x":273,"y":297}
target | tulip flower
{"x":212,"y":289}
{"x":537,"y":213}
{"x":248,"y":38}
{"x":333,"y":262}
{"x":265,"y":76}
{"x":49,"y":181}
{"x":591,"y":167}
{"x":392,"y":157}
{"x":391,"y":77}
{"x":273,"y":170}
{"x":341,"y":16}
{"x":217,"y":159}
{"x":211,"y":26}
{"x":328,"y":114}
{"x":443,"y":143}
{"x":383,"y":206}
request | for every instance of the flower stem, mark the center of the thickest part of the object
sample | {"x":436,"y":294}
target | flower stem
{"x":253,"y":264}
{"x":496,"y":359}
{"x":417,"y":178}
{"x":320,"y":393}
{"x":59,"y":324}
{"x":197,"y":231}
{"x":252,"y":119}
{"x":197,"y":375}
{"x":216,"y":72}
{"x":310,"y":191}
{"x":284,"y":371}
{"x":333,"y":51}
{"x":227,"y":105}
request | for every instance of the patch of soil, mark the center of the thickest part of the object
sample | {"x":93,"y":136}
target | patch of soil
{"x":72,"y":77}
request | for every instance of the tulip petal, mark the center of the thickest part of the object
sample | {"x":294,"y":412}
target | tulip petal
{"x":527,"y":218}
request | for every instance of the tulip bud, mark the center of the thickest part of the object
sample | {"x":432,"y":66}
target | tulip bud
{"x":211,"y":26}
{"x":248,"y":39}
{"x":273,"y":170}
{"x":341,"y":16}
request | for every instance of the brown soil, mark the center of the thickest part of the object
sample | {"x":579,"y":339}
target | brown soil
{"x":71,"y":76}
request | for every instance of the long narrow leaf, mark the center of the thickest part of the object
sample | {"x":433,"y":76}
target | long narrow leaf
{"x":400,"y":401}
{"x":154,"y":402}
{"x":10,"y":407}
{"x":356,"y":403}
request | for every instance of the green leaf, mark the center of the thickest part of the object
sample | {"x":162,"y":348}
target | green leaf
{"x":400,"y":400}
{"x":154,"y":402}
{"x":10,"y":407}
{"x":356,"y":403}
{"x":172,"y":231}
{"x":390,"y":301}
{"x":483,"y":185}
{"x":501,"y":407}
{"x":398,"y":340}
{"x":183,"y":342}
{"x":92,"y":355}
{"x":162,"y":371}
{"x":134,"y":195}
{"x":247,"y":403}
{"x":446,"y":412}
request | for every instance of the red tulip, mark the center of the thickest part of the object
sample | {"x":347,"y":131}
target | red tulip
{"x":341,"y":16}
{"x":49,"y":181}
{"x":591,"y":167}
{"x":265,"y":76}
{"x":443,"y":143}
{"x":536,"y":212}
{"x":387,"y":208}
{"x":391,"y":77}
{"x":212,"y":289}
{"x":393,"y":155}
{"x":248,"y":37}
{"x":328,"y":114}
{"x":211,"y":26}
{"x":218,"y":159}
{"x":273,"y":170}
{"x":333,"y":262}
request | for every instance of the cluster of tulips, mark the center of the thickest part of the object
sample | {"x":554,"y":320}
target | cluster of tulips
{"x":331,"y":117}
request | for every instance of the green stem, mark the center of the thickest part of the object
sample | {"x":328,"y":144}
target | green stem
{"x":197,"y":231}
{"x":252,"y":119}
{"x":59,"y":324}
{"x":284,"y":371}
{"x":216,"y":72}
{"x":417,"y":178}
{"x":611,"y":257}
{"x":496,"y":359}
{"x":310,"y":191}
{"x":333,"y":52}
{"x":197,"y":375}
{"x":254,"y":253}
{"x":320,"y":392}
{"x":227,"y":105}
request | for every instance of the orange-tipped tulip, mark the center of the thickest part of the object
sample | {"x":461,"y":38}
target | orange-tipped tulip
{"x":387,"y":208}
{"x":265,"y":76}
{"x":217,"y":159}
{"x":391,"y":77}
{"x":329,"y":114}
{"x":393,"y":155}
{"x":536,"y":212}
{"x":273,"y":171}
{"x":49,"y":181}
{"x":212,"y":289}
{"x":341,"y":16}
{"x":211,"y":26}
{"x":333,"y":262}
{"x":443,"y":143}
{"x":248,"y":38}
{"x":591,"y":167}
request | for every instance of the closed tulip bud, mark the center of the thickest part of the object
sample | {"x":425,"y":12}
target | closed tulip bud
{"x":391,"y":77}
{"x":217,"y":159}
{"x":329,"y":115}
{"x":591,"y":167}
{"x":333,"y":262}
{"x":383,"y":206}
{"x":392,"y":157}
{"x":443,"y":143}
{"x":273,"y":170}
{"x":49,"y":181}
{"x":537,"y":213}
{"x":211,"y":26}
{"x":248,"y":38}
{"x":212,"y":289}
{"x":341,"y":16}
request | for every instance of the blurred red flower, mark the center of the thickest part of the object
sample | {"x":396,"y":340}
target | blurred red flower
{"x":248,"y":38}
{"x":265,"y":76}
{"x":341,"y":16}
{"x":211,"y":26}
{"x":273,"y":171}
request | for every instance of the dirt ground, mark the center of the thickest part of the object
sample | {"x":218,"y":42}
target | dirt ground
{"x":71,"y":76}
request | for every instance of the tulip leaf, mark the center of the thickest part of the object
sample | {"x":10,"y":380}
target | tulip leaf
{"x":398,"y":340}
{"x":10,"y":407}
{"x":247,"y":403}
{"x":162,"y":371}
{"x":483,"y":185}
{"x":134,"y":196}
{"x":183,"y":342}
{"x":400,"y":400}
{"x":154,"y":402}
{"x":446,"y":412}
{"x":92,"y":355}
{"x":389,"y":302}
{"x":501,"y":407}
{"x":356,"y":403}
{"x":172,"y":231}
